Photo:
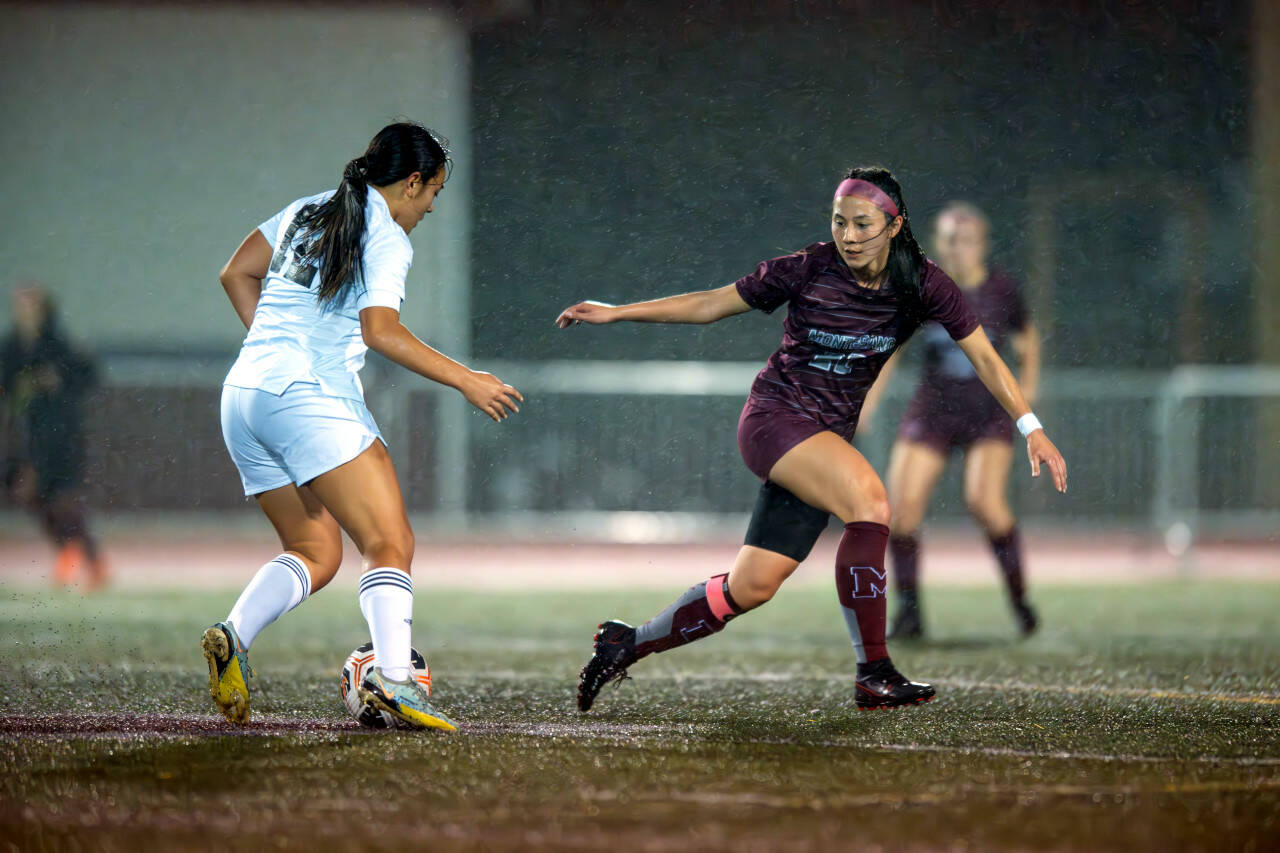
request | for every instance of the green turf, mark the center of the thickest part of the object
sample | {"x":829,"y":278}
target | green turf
{"x":1138,"y":719}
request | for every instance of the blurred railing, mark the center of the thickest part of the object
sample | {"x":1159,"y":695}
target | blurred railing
{"x":648,"y":449}
{"x":1218,"y":453}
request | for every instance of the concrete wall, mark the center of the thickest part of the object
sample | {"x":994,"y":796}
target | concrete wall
{"x":140,"y":145}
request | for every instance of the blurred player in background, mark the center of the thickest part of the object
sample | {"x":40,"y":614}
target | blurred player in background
{"x":317,"y":285}
{"x":43,"y":383}
{"x":952,"y":410}
{"x":851,"y":303}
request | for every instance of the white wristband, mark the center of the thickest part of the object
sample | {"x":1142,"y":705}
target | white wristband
{"x":1028,"y":424}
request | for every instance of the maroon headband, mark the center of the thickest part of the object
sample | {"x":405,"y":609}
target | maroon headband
{"x":869,"y":191}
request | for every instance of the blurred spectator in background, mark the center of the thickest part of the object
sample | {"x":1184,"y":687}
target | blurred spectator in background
{"x":43,"y":382}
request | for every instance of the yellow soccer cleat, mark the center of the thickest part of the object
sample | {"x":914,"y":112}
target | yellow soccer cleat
{"x":405,"y":700}
{"x":229,"y":671}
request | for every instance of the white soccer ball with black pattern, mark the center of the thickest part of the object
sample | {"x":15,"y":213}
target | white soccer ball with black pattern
{"x":354,"y":670}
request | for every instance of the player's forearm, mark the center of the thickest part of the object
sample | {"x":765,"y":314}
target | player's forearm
{"x":1029,"y":372}
{"x":396,"y":343}
{"x":876,"y":394}
{"x":244,"y":291}
{"x":995,"y":374}
{"x":698,"y":308}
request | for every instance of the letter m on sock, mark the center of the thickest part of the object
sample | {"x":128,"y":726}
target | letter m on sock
{"x":865,"y":582}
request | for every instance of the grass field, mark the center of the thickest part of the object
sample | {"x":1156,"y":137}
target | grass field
{"x":1138,"y":719}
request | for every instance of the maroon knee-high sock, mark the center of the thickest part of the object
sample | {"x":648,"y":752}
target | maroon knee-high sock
{"x":905,"y":551}
{"x":703,"y":610}
{"x":1008,"y":551}
{"x":860,"y":584}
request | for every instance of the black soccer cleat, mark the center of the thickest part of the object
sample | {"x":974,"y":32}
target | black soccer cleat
{"x":615,"y":650}
{"x":1028,"y":620}
{"x":907,"y":624}
{"x":885,"y":687}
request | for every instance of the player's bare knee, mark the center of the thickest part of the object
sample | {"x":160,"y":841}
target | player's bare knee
{"x":899,"y":527}
{"x":325,"y":566}
{"x":905,"y":517}
{"x":995,"y":522}
{"x":982,"y":507}
{"x":757,"y":590}
{"x":872,"y":505}
{"x":391,"y":548}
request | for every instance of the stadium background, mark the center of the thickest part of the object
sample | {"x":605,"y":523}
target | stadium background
{"x":1128,"y":154}
{"x":618,"y":151}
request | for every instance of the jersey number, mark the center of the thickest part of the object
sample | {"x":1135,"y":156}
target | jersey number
{"x":840,"y":363}
{"x":299,"y":270}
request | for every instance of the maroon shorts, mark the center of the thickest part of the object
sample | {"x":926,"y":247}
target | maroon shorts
{"x":766,"y":433}
{"x":949,"y":423}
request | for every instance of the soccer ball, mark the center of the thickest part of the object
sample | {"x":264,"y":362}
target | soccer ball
{"x":353,"y":672}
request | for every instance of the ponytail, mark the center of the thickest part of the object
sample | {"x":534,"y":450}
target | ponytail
{"x":906,"y":264}
{"x":334,"y":230}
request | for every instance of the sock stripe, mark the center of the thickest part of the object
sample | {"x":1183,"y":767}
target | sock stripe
{"x":299,"y":571}
{"x":366,"y":587}
{"x":386,"y":577}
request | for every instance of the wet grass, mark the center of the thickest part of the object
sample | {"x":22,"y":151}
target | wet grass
{"x":1138,"y":719}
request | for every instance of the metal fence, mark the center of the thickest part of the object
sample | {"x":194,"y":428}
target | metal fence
{"x":648,"y":449}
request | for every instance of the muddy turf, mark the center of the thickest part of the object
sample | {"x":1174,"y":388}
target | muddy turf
{"x":1138,"y":719}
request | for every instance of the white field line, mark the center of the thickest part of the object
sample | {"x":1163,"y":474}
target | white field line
{"x":1152,"y":693}
{"x":1063,"y":755}
{"x":655,"y":733}
{"x":616,"y":731}
{"x":955,"y":683}
{"x":1133,"y":692}
{"x":1115,"y":793}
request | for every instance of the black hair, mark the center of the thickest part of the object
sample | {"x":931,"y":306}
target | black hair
{"x":336,"y":227}
{"x":906,"y":264}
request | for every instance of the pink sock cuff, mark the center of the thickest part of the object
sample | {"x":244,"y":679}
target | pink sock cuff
{"x":716,"y":599}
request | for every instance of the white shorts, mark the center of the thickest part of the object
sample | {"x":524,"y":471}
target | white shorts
{"x":294,"y":437}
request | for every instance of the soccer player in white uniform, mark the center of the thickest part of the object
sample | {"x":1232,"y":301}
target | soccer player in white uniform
{"x":317,"y":285}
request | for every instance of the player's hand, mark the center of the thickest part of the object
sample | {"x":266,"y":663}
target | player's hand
{"x":1041,"y":450}
{"x":596,"y":313}
{"x":490,"y":395}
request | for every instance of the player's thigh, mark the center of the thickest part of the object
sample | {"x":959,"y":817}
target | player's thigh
{"x":756,"y":575}
{"x":306,"y":529}
{"x":914,"y":469}
{"x":986,"y":473}
{"x":826,"y":471}
{"x":364,"y":496}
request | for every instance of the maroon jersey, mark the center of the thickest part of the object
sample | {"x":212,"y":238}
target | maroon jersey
{"x":947,"y":370}
{"x":838,"y":334}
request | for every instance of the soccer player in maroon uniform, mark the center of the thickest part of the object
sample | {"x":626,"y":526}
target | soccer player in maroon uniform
{"x":952,"y":410}
{"x":851,"y":303}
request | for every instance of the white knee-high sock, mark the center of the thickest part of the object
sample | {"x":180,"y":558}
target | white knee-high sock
{"x":386,"y":600}
{"x":277,"y":588}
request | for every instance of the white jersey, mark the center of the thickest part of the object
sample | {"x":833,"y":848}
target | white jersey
{"x":293,"y":337}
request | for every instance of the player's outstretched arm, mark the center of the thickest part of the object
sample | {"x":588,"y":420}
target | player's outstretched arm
{"x":386,"y":335}
{"x":1026,"y":344}
{"x":995,"y":374}
{"x":704,"y":306}
{"x":242,"y":276}
{"x":872,"y":403}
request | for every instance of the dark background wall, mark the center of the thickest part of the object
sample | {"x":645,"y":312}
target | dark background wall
{"x":631,"y":150}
